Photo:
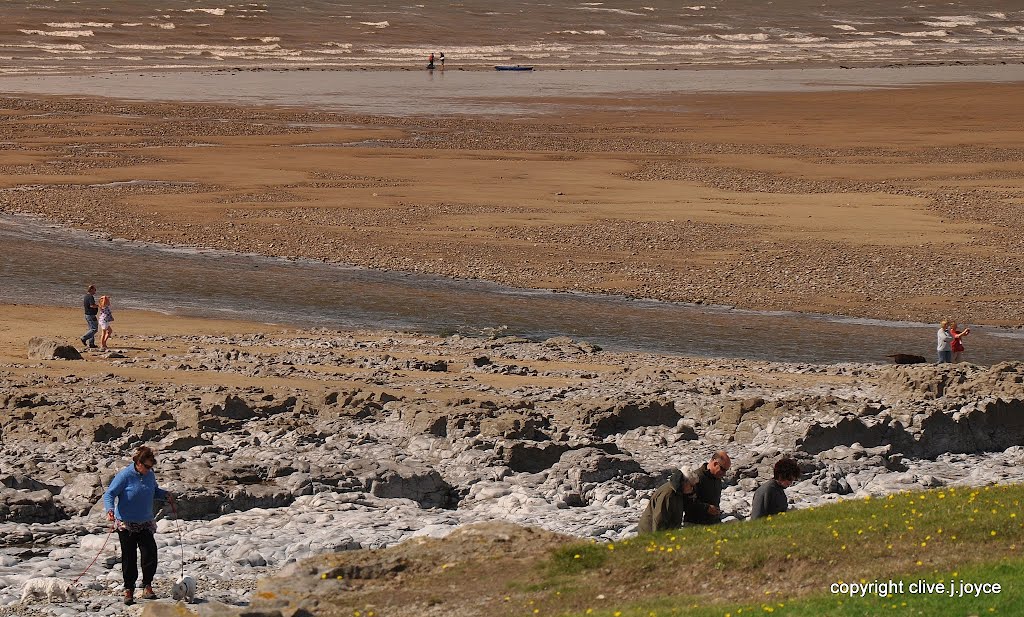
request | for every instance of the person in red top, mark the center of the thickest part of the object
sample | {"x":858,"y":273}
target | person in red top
{"x":957,"y":346}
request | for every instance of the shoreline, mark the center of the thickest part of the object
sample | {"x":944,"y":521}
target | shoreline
{"x":539,"y":66}
{"x":746,"y":190}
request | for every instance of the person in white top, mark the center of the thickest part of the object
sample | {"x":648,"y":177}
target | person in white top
{"x":106,"y":316}
{"x":944,"y":339}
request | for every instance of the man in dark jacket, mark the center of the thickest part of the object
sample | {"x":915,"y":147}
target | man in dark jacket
{"x":770,"y":497}
{"x":704,"y":509}
{"x":91,"y":320}
{"x":665,"y":511}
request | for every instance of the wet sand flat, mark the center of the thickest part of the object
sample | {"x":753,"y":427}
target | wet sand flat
{"x":896,"y":203}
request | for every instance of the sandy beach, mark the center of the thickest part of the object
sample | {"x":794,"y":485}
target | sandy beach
{"x":896,"y":204}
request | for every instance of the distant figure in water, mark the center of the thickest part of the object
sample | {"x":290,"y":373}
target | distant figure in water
{"x":957,"y":346}
{"x":430,"y":61}
{"x":441,"y":58}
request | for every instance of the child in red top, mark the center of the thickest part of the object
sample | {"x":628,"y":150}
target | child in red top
{"x":957,"y":346}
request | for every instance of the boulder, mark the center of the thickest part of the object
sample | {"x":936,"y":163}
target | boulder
{"x":616,"y":417}
{"x":195,"y":503}
{"x":356,"y":404}
{"x":583,"y":468}
{"x":23,"y":506}
{"x":423,"y":419}
{"x":22,"y":482}
{"x":430,"y":423}
{"x":100,"y":430}
{"x":182,"y":442}
{"x":82,"y":492}
{"x":217,"y":412}
{"x":752,"y":423}
{"x":531,"y":457}
{"x":512,"y":425}
{"x":849,"y":430}
{"x":985,"y":426}
{"x":41,"y":348}
{"x":383,"y":478}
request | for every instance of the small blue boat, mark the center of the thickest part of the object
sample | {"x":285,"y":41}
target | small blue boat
{"x":512,"y":67}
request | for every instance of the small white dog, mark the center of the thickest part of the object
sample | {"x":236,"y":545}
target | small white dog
{"x":185,"y":589}
{"x":55,"y":589}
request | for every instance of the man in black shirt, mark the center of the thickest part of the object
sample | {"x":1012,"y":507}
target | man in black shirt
{"x":89,"y":305}
{"x":704,"y":509}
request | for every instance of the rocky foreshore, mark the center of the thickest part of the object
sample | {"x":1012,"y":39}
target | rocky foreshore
{"x":287,"y":445}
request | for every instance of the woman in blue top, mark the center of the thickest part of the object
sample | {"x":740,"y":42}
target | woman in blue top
{"x":134,"y":488}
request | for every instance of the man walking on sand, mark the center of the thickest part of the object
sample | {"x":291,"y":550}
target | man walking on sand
{"x":91,"y":309}
{"x":704,"y":509}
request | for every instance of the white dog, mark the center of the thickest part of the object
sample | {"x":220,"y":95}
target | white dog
{"x":55,"y":589}
{"x":185,"y":589}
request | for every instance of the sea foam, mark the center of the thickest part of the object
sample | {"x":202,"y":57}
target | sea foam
{"x":208,"y":11}
{"x":62,"y":33}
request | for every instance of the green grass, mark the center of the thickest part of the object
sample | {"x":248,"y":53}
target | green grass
{"x":928,"y":601}
{"x":787,"y":564}
{"x":577,"y":558}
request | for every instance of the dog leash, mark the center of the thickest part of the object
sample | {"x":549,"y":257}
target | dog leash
{"x":181,"y":543}
{"x":98,"y":553}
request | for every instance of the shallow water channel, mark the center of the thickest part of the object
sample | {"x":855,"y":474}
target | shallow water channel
{"x":50,"y":265}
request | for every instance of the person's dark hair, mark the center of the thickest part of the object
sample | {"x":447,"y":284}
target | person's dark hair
{"x":787,"y":469}
{"x":143,"y":453}
{"x":91,"y":289}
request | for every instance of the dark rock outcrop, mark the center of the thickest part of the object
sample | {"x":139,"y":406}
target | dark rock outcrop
{"x":619,"y":417}
{"x":40,"y":348}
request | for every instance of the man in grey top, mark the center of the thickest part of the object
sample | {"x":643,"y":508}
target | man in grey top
{"x":91,"y":309}
{"x":770,"y":497}
{"x":944,"y":341}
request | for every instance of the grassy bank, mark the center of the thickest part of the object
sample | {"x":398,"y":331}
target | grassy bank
{"x":899,"y":554}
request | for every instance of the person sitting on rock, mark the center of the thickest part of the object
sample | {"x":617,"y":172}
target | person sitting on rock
{"x":705,"y":508}
{"x":668,"y":503}
{"x":770,"y":497}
